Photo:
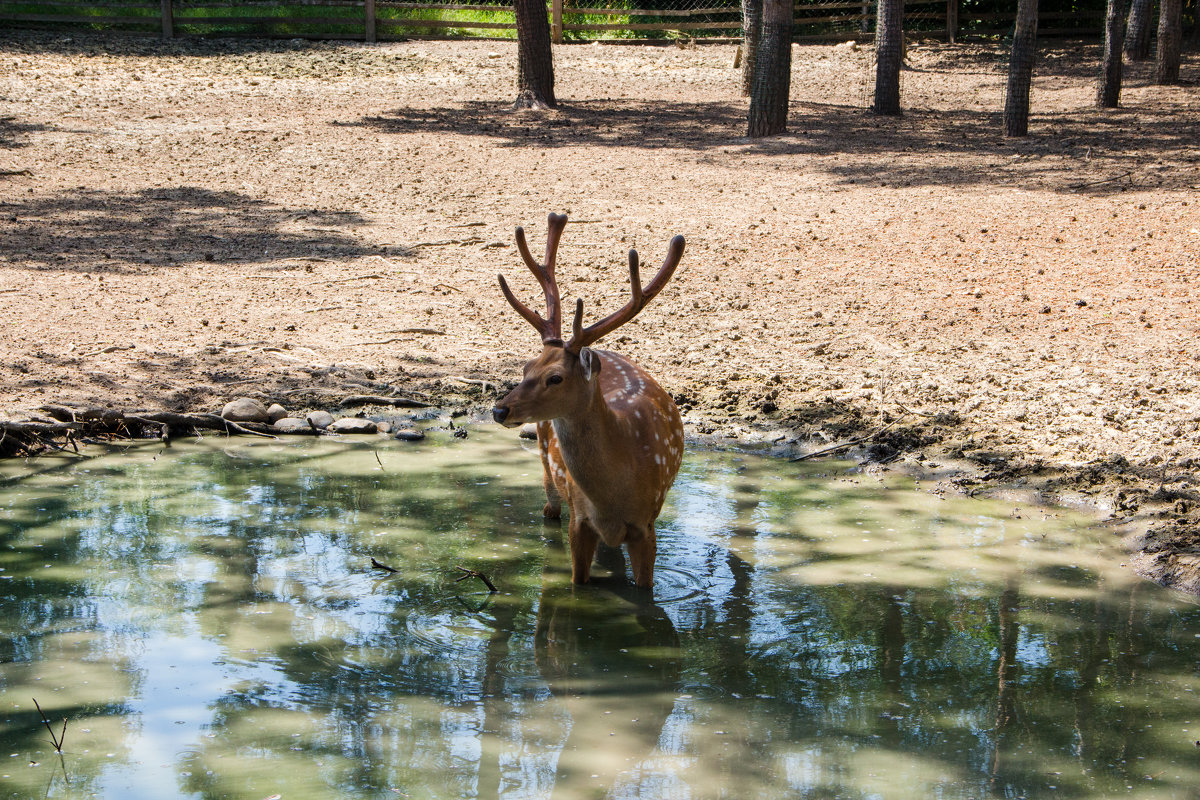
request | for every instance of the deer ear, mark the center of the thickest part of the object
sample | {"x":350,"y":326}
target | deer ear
{"x":590,"y":363}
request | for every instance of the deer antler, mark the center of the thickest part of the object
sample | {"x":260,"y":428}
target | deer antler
{"x":551,"y":326}
{"x":582,"y":337}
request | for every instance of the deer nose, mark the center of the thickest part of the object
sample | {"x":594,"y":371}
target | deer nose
{"x":500,"y":413}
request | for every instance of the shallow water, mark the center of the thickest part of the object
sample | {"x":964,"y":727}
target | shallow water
{"x":207,"y":620}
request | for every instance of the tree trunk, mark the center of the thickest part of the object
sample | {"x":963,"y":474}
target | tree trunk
{"x":535,"y":62}
{"x":1170,"y":40}
{"x":889,"y":55}
{"x":1020,"y":69}
{"x":1137,"y":37}
{"x":1109,"y":93}
{"x":772,"y":71}
{"x":752,"y":12}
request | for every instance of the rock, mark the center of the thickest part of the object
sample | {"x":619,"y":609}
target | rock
{"x":276,"y":412}
{"x":245,"y":409}
{"x":321,"y":419}
{"x":354,"y":425}
{"x":528,"y":431}
{"x":383,"y":426}
{"x":409,"y":435}
{"x":292,"y":424}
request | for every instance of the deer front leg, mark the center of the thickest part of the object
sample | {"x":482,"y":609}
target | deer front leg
{"x":643,"y":547}
{"x":551,"y":464}
{"x":583,"y":538}
{"x":553,"y":507}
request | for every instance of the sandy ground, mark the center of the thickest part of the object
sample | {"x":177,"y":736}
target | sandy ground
{"x":182,"y":223}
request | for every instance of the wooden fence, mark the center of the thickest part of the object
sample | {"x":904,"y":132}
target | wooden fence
{"x":381,"y":20}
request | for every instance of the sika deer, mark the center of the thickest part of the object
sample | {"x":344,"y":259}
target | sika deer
{"x":611,"y":439}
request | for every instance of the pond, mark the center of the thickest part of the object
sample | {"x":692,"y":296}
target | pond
{"x":207,"y":620}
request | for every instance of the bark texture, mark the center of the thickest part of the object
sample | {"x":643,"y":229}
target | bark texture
{"x":769,"y":94}
{"x":1170,"y":41}
{"x":1020,"y":69}
{"x":535,"y":62}
{"x":889,"y":56}
{"x":1109,"y":93}
{"x":752,"y":12}
{"x":1138,"y":34}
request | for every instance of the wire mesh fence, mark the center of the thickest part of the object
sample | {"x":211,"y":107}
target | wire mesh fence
{"x":571,"y":20}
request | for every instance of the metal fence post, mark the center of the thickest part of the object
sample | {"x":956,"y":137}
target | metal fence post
{"x":369,"y":10}
{"x":168,"y":20}
{"x":556,"y":23}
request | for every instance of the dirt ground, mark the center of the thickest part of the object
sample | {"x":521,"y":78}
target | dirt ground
{"x":182,"y":223}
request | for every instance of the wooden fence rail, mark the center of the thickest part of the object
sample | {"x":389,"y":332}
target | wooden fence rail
{"x":372,"y":20}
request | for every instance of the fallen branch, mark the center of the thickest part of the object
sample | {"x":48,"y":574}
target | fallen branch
{"x":474,"y":573}
{"x":380,"y":400}
{"x":837,"y":448}
{"x":382,"y":566}
{"x":424,"y":331}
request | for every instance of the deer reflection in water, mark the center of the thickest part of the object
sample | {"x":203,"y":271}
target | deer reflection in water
{"x":610,"y":658}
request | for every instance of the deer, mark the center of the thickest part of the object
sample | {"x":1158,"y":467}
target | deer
{"x":610,"y":438}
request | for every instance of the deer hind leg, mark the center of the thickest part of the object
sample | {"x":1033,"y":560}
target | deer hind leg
{"x":583,"y":539}
{"x":643,"y":547}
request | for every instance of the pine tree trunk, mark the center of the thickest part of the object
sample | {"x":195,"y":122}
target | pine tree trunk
{"x":889,"y":55}
{"x":752,"y":12}
{"x":1137,"y":37}
{"x":1170,"y":40}
{"x":535,"y":62}
{"x":1109,"y":93}
{"x":772,"y":71}
{"x":1020,"y":69}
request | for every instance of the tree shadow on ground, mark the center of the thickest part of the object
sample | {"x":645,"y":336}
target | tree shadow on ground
{"x":1077,"y":150}
{"x":128,"y":231}
{"x":14,"y":133}
{"x":597,"y":123}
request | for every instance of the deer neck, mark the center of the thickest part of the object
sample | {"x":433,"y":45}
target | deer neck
{"x":585,"y":438}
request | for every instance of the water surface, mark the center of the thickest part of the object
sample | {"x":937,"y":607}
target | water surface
{"x":207,"y":619}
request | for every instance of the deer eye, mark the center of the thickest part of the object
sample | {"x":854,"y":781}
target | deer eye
{"x":553,"y":379}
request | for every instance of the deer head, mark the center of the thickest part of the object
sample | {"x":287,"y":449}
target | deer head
{"x":561,"y":381}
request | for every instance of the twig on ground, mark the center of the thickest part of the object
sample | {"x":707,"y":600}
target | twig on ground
{"x":110,"y":349}
{"x":847,"y":445}
{"x":1098,"y":183}
{"x":446,"y":242}
{"x":372,"y":276}
{"x":487,"y":385}
{"x":424,"y":331}
{"x":474,"y":573}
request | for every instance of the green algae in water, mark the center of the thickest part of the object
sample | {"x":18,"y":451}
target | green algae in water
{"x":207,"y":620}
